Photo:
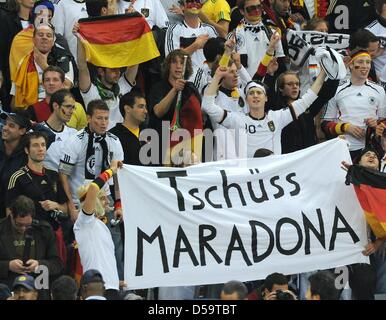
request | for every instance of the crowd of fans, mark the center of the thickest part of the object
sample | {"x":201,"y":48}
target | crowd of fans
{"x":67,"y":126}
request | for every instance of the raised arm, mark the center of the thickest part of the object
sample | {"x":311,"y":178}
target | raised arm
{"x":96,"y":185}
{"x":131,"y":74}
{"x":301,"y":105}
{"x":84,"y":73}
{"x":208,"y":104}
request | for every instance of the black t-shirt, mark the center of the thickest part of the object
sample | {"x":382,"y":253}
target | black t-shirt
{"x":38,"y":187}
{"x":130,"y":144}
{"x":360,"y":14}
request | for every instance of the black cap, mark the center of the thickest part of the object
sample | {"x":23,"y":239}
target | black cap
{"x":90,"y":276}
{"x":17,"y":118}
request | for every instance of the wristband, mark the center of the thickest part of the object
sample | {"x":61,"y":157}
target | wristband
{"x":118,"y":204}
{"x":266,"y":59}
{"x":345,"y":127}
{"x":106,"y":175}
{"x":338,"y":128}
{"x":99,"y":182}
{"x":224,"y":61}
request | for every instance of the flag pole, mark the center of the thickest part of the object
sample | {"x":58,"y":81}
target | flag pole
{"x":176,"y":116}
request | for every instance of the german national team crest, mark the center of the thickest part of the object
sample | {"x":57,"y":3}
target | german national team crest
{"x":241,"y":102}
{"x":372,"y":100}
{"x":271,"y":126}
{"x":240,"y":41}
{"x":145,"y":12}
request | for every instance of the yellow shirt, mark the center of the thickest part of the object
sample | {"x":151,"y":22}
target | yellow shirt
{"x":78,"y":119}
{"x":217,"y":10}
{"x":134,"y":131}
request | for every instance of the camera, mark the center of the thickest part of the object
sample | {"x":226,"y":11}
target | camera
{"x":58,"y":215}
{"x":282,"y":295}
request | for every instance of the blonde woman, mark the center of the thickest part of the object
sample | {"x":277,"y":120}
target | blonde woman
{"x":96,"y":247}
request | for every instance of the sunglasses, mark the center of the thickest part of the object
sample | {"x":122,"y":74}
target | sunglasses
{"x":252,"y":8}
{"x":193,"y":1}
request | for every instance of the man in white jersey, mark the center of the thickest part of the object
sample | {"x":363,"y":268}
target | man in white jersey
{"x":109,"y":85}
{"x":253,"y":36}
{"x":263,"y":129}
{"x":62,"y":106}
{"x":87,"y":153}
{"x":67,"y":13}
{"x":378,"y":28}
{"x":152,"y":10}
{"x":190,"y":34}
{"x":358,"y":103}
{"x":230,"y":97}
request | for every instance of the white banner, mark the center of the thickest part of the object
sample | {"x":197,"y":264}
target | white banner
{"x":240,"y":219}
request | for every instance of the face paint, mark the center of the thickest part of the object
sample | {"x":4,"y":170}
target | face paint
{"x":193,"y":6}
{"x":254,"y":10}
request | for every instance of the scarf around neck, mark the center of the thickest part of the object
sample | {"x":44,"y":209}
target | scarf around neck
{"x":90,"y":154}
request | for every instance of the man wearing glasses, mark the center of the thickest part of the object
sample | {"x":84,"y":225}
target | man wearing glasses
{"x":53,"y":80}
{"x":62,"y":106}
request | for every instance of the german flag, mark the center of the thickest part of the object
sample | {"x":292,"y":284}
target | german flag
{"x":22,"y":45}
{"x":370,"y":187}
{"x":26,"y":82}
{"x":117,"y":41}
{"x":190,"y":121}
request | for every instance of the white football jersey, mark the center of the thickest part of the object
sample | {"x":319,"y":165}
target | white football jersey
{"x":354,"y":104}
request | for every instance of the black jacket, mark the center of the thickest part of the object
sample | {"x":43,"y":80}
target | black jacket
{"x":45,"y":250}
{"x":8,"y":165}
{"x":10,"y":25}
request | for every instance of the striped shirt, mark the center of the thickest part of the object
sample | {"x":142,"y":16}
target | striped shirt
{"x":180,"y":36}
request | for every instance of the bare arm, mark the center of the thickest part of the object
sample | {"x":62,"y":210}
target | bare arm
{"x":301,"y":105}
{"x":221,"y":26}
{"x":91,"y":197}
{"x":66,"y":187}
{"x":93,"y":190}
{"x":162,"y":107}
{"x":84,"y":74}
{"x":131,"y":74}
{"x":197,"y":44}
